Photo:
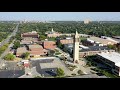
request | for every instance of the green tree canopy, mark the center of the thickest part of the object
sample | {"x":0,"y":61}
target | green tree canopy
{"x":25,"y":55}
{"x":51,"y":52}
{"x":80,"y":72}
{"x":9,"y":57}
{"x":60,"y":72}
{"x":16,"y":44}
{"x":42,"y":37}
{"x":94,"y":28}
{"x":112,"y":47}
{"x":3,"y":48}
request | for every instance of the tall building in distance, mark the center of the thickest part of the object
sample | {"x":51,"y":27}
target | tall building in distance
{"x":87,"y":21}
{"x":76,"y":48}
{"x":52,"y":30}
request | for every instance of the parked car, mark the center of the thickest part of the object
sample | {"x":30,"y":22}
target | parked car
{"x":99,"y":74}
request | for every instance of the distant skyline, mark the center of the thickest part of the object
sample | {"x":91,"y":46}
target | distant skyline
{"x":60,"y":16}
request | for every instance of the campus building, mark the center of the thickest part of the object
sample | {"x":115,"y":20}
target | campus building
{"x":67,"y":40}
{"x":96,"y":41}
{"x":34,"y":50}
{"x":32,"y":34}
{"x":29,"y":37}
{"x":52,"y":33}
{"x":112,"y":59}
{"x":49,"y":45}
{"x":87,"y":51}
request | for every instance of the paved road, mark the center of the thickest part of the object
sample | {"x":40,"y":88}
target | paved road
{"x":2,"y":61}
{"x":6,"y":41}
{"x":6,"y":51}
{"x":8,"y":38}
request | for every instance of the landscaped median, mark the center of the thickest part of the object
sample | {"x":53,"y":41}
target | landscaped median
{"x":57,"y":52}
{"x":71,"y":67}
{"x":3,"y":48}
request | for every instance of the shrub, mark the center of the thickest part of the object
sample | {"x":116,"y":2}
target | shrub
{"x":9,"y":57}
{"x":80,"y":72}
{"x":73,"y":74}
{"x":60,"y":72}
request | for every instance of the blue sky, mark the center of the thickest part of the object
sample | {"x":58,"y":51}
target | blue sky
{"x":49,"y":16}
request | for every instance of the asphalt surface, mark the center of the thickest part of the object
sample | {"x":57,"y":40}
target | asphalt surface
{"x":12,"y":71}
{"x":47,"y":72}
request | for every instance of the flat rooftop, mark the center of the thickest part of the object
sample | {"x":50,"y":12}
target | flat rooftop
{"x":100,"y":40}
{"x":95,"y":48}
{"x":35,"y":46}
{"x":90,"y":48}
{"x":112,"y":56}
{"x":21,"y":49}
{"x":117,"y":37}
{"x":49,"y":41}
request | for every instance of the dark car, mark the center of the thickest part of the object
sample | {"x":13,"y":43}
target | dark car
{"x":99,"y":74}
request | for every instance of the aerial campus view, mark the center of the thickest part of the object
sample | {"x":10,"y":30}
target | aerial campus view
{"x":59,"y":44}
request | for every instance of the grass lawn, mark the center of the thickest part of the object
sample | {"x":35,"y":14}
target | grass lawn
{"x":56,"y":50}
{"x":52,"y":39}
{"x":57,"y":53}
{"x":83,"y":38}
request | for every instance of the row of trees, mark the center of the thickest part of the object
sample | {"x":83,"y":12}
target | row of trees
{"x":97,"y":29}
{"x":11,"y":57}
{"x":5,"y":30}
{"x":116,"y":47}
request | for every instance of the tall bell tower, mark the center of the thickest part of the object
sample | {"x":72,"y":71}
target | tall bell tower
{"x":76,"y":48}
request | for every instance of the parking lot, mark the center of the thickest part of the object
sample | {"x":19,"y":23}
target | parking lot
{"x":11,"y":73}
{"x":11,"y":70}
{"x":48,"y":67}
{"x":48,"y":72}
